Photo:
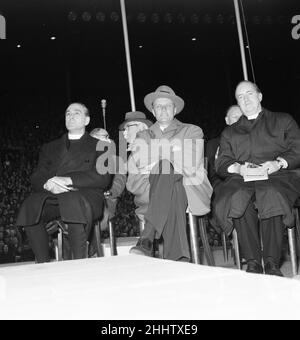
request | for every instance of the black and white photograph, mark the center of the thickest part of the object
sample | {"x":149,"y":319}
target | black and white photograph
{"x":149,"y":162}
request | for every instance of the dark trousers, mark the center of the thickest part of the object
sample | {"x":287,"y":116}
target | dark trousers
{"x":249,"y":228}
{"x":166,"y":215}
{"x":39,"y":239}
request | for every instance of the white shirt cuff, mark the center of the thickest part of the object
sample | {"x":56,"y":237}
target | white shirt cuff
{"x":283,"y":161}
{"x":233,"y":168}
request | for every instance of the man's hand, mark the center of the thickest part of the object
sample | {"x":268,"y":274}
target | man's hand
{"x":237,"y":168}
{"x":64,"y":181}
{"x":271,"y":166}
{"x":145,"y":170}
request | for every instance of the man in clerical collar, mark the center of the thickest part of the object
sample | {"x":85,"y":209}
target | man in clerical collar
{"x":67,"y":186}
{"x":270,"y":143}
{"x":176,"y":175}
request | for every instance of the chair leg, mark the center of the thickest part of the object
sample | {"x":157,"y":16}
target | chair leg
{"x":292,"y":245}
{"x":55,"y":249}
{"x":112,"y":239}
{"x":98,"y":239}
{"x":224,"y":245}
{"x":236,"y":249}
{"x":203,"y":234}
{"x":142,"y":226}
{"x":60,"y":245}
{"x":194,"y":239}
{"x":161,"y":248}
{"x":296,"y":214}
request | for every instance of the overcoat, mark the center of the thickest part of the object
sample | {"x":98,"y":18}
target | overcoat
{"x":187,"y":159}
{"x":269,"y":136}
{"x":78,"y":161}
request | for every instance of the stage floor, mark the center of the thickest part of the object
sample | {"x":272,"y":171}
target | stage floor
{"x":132,"y":287}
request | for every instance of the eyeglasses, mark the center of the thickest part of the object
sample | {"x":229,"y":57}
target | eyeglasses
{"x":159,"y":107}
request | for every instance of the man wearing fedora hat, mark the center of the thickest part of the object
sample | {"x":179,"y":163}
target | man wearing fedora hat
{"x":176,"y":176}
{"x":138,"y":184}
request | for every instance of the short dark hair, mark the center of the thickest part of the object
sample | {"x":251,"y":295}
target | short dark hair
{"x":86,"y":110}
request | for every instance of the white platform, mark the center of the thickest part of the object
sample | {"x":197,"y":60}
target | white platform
{"x":137,"y":287}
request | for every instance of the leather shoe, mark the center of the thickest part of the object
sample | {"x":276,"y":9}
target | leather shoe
{"x":254,"y":267}
{"x":272,"y":268}
{"x":144,"y":247}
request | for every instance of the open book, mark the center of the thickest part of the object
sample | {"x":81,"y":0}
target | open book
{"x":254,"y":172}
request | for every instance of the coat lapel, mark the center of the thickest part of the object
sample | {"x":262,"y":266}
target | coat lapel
{"x":70,"y":155}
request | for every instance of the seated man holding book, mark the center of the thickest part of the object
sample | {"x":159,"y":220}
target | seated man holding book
{"x":259,"y":158}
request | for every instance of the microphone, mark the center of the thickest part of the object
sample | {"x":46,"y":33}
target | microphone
{"x":103,"y":103}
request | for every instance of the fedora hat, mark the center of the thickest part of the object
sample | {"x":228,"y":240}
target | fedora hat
{"x":135,"y":116}
{"x":164,"y":92}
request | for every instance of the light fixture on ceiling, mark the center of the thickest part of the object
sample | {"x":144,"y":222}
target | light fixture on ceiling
{"x":86,"y":16}
{"x":155,"y":18}
{"x":114,"y":16}
{"x":181,"y":18}
{"x":100,"y":16}
{"x":141,"y":17}
{"x":168,"y":18}
{"x":194,"y":18}
{"x":72,"y":16}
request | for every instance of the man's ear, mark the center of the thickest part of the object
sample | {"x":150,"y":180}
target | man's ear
{"x":175,"y":110}
{"x":87,"y":120}
{"x":260,"y":96}
{"x":226,"y":120}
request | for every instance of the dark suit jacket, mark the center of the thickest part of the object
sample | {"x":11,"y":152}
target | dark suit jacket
{"x":78,"y":162}
{"x":210,"y":152}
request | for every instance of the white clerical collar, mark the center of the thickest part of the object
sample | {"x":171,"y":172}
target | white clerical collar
{"x":74,"y":137}
{"x":253,"y":116}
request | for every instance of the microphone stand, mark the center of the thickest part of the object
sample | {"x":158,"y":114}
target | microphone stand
{"x":103,"y":105}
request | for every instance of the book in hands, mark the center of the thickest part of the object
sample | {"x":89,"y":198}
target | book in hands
{"x":63,"y":186}
{"x":254,"y":172}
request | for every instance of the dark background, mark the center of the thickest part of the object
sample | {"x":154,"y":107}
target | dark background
{"x":87,"y":61}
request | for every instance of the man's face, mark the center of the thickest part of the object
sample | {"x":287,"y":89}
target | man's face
{"x":130,"y":131}
{"x":248,"y":99}
{"x":233,"y":115}
{"x":76,"y":119}
{"x":164,"y":110}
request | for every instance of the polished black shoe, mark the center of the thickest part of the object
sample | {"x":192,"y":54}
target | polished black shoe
{"x":144,"y":247}
{"x":272,"y":268}
{"x":254,"y":267}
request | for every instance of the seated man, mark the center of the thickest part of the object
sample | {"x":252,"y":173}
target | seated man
{"x":233,"y":114}
{"x":170,"y":153}
{"x":138,"y":185}
{"x":268,"y":142}
{"x":65,"y":185}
